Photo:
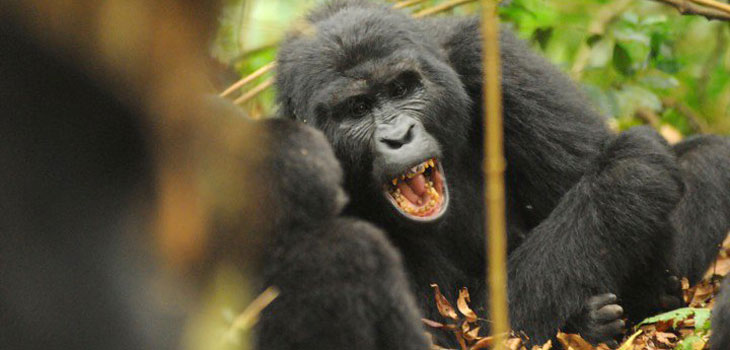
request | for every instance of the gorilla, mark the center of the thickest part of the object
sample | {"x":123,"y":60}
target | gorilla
{"x":341,"y":283}
{"x":593,"y":217}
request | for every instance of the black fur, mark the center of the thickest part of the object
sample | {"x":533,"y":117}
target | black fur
{"x":702,"y":218}
{"x":720,"y":339}
{"x":588,"y":212}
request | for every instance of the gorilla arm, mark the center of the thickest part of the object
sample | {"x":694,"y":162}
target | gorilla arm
{"x":609,"y":233}
{"x":592,"y":213}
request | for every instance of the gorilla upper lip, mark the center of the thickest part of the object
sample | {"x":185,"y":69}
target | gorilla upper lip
{"x":420,"y":192}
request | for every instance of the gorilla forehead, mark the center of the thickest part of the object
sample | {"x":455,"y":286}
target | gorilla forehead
{"x":349,"y":38}
{"x":356,"y":35}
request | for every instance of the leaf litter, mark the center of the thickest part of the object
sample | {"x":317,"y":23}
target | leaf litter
{"x":687,"y":328}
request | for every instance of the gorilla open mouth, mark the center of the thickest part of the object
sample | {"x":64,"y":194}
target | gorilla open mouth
{"x":420,"y":192}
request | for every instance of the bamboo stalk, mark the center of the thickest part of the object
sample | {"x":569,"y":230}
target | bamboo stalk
{"x":249,"y":78}
{"x":494,"y":166}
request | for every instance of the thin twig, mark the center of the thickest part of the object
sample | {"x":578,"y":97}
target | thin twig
{"x":250,"y":315}
{"x":407,"y":3}
{"x":714,"y":4}
{"x":247,"y":79}
{"x":255,"y":91}
{"x":441,"y":8}
{"x":711,"y":10}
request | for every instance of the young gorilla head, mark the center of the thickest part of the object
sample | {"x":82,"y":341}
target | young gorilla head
{"x":290,"y":165}
{"x":387,"y":100}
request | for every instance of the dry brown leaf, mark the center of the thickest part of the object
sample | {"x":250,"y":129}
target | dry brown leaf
{"x":483,"y":343}
{"x":432,"y":324}
{"x":463,"y":307}
{"x":443,"y":305}
{"x":629,"y":343}
{"x":472,"y":335}
{"x":666,"y":338}
{"x":513,"y":344}
{"x":546,"y":346}
{"x":574,"y":342}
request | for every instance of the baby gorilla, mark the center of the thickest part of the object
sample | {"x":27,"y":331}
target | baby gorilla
{"x":342,"y":285}
{"x":341,"y":282}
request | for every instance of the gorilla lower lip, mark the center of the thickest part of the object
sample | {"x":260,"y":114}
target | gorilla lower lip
{"x":420,"y":192}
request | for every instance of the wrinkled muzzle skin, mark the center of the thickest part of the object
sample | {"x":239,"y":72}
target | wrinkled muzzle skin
{"x":385,"y":97}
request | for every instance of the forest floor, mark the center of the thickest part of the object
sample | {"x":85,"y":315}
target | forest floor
{"x":686,"y":328}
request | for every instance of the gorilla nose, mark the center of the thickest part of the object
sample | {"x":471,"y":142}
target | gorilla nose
{"x":396,"y":135}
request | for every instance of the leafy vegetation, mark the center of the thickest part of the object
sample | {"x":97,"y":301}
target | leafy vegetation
{"x":639,"y":61}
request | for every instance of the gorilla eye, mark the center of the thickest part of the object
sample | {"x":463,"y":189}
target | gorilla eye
{"x":359,"y":106}
{"x":399,"y":90}
{"x":404,"y":84}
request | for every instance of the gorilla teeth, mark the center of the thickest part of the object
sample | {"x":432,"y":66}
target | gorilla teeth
{"x":408,"y":207}
{"x":415,"y":171}
{"x":420,"y":197}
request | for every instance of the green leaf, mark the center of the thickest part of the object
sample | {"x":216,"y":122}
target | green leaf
{"x":702,"y":319}
{"x":631,"y":17}
{"x":659,"y":80}
{"x":670,"y":66}
{"x":542,"y":36}
{"x":622,"y":60}
{"x":601,"y":53}
{"x":688,"y":343}
{"x":654,"y":19}
{"x":675,"y":315}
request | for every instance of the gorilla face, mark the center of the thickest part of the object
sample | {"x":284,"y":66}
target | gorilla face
{"x":388,"y":102}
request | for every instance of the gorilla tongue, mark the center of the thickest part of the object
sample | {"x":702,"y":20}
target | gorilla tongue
{"x":414,"y":188}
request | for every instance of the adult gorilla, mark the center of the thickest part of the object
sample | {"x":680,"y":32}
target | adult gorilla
{"x":588,"y":212}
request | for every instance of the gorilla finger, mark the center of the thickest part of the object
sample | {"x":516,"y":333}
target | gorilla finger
{"x":598,"y":301}
{"x":673,"y":283}
{"x":608,"y":313}
{"x":613,"y":329}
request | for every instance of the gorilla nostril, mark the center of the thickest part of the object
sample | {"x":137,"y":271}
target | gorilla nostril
{"x":393,"y":144}
{"x":398,"y":140}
